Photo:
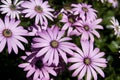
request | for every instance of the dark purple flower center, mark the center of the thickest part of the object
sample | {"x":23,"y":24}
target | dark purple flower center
{"x":39,"y":64}
{"x":86,"y":27}
{"x":13,"y":7}
{"x":87,"y":61}
{"x":7,"y":33}
{"x":38,"y":9}
{"x":84,"y":9}
{"x":71,"y":18}
{"x":54,"y":44}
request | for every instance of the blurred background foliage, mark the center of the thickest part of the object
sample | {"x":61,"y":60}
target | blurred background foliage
{"x":108,"y":43}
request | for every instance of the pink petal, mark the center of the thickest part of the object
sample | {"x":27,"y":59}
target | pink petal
{"x":65,"y":26}
{"x":80,"y":52}
{"x":65,"y":39}
{"x":42,"y":51}
{"x":30,"y":72}
{"x":46,"y":75}
{"x":55,"y":32}
{"x":2,"y":44}
{"x":67,"y":50}
{"x":97,"y":21}
{"x":84,"y":36}
{"x":36,"y":74}
{"x":47,"y":55}
{"x":89,"y":74}
{"x":100,"y":60}
{"x":99,"y":64}
{"x":73,"y":59}
{"x":41,"y":74}
{"x":40,"y":45}
{"x":91,"y":46}
{"x":9,"y":45}
{"x":94,"y":52}
{"x":75,"y":66}
{"x":50,"y":61}
{"x":85,"y":46}
{"x":51,"y":71}
{"x":1,"y":24}
{"x":99,"y":70}
{"x":82,"y":73}
{"x":60,"y":34}
{"x":21,"y":39}
{"x":50,"y":33}
{"x":101,"y":54}
{"x":37,"y":19}
{"x":93,"y":73}
{"x":23,"y":65}
{"x":96,"y":33}
{"x":19,"y":44}
{"x":14,"y":46}
{"x":56,"y":58}
{"x":91,"y":37}
{"x":6,"y":21}
{"x":63,"y":55}
{"x":45,"y":35}
{"x":77,"y":71}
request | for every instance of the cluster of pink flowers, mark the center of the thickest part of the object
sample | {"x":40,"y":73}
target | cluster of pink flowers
{"x":51,"y":45}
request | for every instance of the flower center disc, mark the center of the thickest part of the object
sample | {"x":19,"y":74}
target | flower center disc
{"x":87,"y":61}
{"x":38,"y":9}
{"x":118,"y":28}
{"x":39,"y":64}
{"x":84,"y":9}
{"x":7,"y":33}
{"x":54,"y":44}
{"x":13,"y":7}
{"x":71,"y":20}
{"x":86,"y":27}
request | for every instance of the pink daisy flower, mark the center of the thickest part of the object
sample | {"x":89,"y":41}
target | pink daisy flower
{"x":87,"y":61}
{"x":52,"y":44}
{"x":85,"y":11}
{"x":87,"y":28}
{"x":10,"y":8}
{"x":38,"y":9}
{"x":36,"y":68}
{"x":114,"y":3}
{"x":11,"y":34}
{"x":115,"y":25}
{"x":69,"y":19}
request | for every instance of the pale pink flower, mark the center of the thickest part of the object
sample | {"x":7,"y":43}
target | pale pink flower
{"x":36,"y":68}
{"x":84,"y":10}
{"x":10,"y":8}
{"x":11,"y":34}
{"x":87,"y":28}
{"x":87,"y":62}
{"x":52,"y":44}
{"x":115,"y":25}
{"x":69,"y":21}
{"x":38,"y":9}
